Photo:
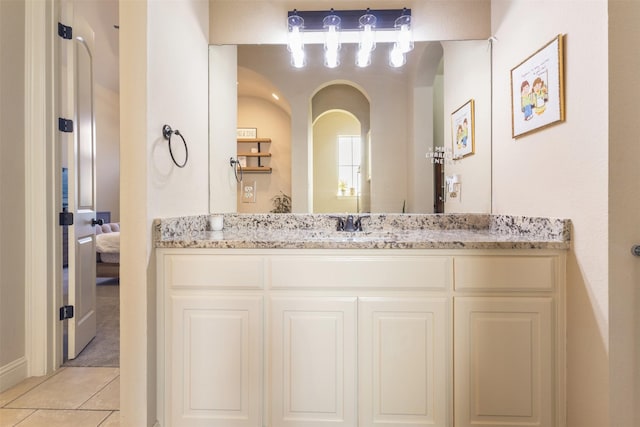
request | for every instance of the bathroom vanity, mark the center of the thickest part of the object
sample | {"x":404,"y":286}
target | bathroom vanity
{"x":428,"y":320}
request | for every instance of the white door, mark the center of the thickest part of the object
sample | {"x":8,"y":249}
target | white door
{"x":77,"y":104}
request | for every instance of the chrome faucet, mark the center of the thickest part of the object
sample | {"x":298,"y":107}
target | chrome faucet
{"x":350,"y":223}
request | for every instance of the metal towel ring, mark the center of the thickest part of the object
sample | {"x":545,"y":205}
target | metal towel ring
{"x":235,"y":164}
{"x":167,"y":132}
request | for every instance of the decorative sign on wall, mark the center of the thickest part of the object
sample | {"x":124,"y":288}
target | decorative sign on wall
{"x":440,"y":156}
{"x":537,"y":90}
{"x":244,"y":133}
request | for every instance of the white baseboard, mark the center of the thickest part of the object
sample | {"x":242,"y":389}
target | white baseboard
{"x":12,"y":373}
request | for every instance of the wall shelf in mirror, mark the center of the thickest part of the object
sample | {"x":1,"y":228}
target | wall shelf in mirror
{"x":257,"y":152}
{"x":256,"y":169}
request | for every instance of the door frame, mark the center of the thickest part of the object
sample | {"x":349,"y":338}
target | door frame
{"x":43,"y":184}
{"x":43,"y":235}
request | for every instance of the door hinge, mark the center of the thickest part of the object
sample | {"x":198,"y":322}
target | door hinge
{"x":66,"y":218}
{"x":66,"y":312}
{"x":64,"y":31}
{"x":65,"y":125}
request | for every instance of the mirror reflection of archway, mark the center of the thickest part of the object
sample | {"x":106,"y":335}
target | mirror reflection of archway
{"x":341,"y":146}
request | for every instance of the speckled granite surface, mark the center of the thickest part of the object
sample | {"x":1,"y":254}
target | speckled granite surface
{"x":380,"y":231}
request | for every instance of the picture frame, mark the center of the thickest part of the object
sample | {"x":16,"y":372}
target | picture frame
{"x":246,"y":133}
{"x":537,"y":89}
{"x":463,"y":136}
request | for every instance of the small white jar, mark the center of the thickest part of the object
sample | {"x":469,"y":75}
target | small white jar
{"x":216,"y":222}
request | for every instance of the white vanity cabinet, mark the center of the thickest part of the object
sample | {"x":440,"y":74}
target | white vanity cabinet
{"x":509,"y":339}
{"x":366,"y":337}
{"x":211,"y":340}
{"x":504,"y":362}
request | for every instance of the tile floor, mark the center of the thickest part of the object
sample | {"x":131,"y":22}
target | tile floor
{"x":78,"y":397}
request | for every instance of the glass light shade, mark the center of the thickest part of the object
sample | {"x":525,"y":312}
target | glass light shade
{"x":404,"y":38}
{"x":367,"y":36}
{"x":331,"y":25}
{"x":295,"y":24}
{"x":397,"y":57}
{"x":295,"y":43}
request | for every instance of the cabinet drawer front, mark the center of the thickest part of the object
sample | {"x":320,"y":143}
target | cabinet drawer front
{"x":395,"y":272}
{"x":508,"y":273}
{"x":219,"y":271}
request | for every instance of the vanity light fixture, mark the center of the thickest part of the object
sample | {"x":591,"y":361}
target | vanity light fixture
{"x":364,"y":26}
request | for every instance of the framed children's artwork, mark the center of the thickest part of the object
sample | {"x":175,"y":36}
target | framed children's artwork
{"x":537,"y":90}
{"x":463,"y":131}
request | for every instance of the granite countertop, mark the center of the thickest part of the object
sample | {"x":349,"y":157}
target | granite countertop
{"x":381,"y":231}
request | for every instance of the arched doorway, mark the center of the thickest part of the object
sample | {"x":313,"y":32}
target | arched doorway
{"x":341,"y":152}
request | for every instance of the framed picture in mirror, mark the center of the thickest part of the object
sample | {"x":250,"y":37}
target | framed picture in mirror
{"x":463,"y":131}
{"x":537,"y":90}
{"x":247,"y":133}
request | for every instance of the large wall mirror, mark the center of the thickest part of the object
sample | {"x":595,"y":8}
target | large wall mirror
{"x":349,"y":139}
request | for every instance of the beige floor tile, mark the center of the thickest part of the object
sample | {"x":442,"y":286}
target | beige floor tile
{"x":65,"y":418}
{"x":67,"y":390}
{"x":107,"y":399}
{"x":20,"y":389}
{"x":112,"y":421}
{"x":11,"y":417}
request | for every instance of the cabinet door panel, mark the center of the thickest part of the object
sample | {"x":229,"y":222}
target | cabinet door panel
{"x":402,"y":362}
{"x":216,"y":361}
{"x":503,"y":362}
{"x":313,"y":361}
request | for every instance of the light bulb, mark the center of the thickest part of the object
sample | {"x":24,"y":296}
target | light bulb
{"x":331,"y":59}
{"x":396,"y":56}
{"x":298,"y":58}
{"x":363,"y":58}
